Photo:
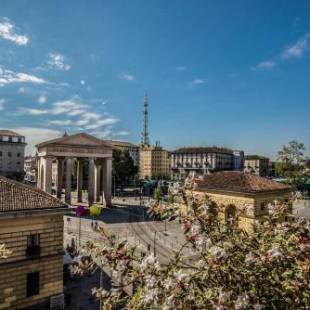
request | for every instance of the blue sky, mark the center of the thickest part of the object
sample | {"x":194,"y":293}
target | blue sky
{"x":227,"y":73}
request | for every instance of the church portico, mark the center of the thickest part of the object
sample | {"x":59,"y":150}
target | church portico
{"x":73,"y":154}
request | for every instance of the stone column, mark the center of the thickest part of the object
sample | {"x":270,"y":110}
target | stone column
{"x":107,"y":181}
{"x":79,"y":180}
{"x":91,"y":181}
{"x":47,"y":181}
{"x":97,"y":182}
{"x":68,"y":180}
{"x":60,"y":168}
{"x":39,"y":181}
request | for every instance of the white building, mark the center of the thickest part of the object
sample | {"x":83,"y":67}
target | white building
{"x":200,"y":160}
{"x":12,"y":152}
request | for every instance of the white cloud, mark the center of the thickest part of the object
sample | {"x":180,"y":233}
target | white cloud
{"x":265,"y":65}
{"x":31,"y":111}
{"x":36,"y":135}
{"x":102,"y":122}
{"x":298,"y":49}
{"x":180,"y":68}
{"x":58,"y":61}
{"x":82,"y":82}
{"x":127,"y":77}
{"x":7,"y":32}
{"x":121,"y":133}
{"x":61,"y":122}
{"x":42,"y":99}
{"x":9,"y":77}
{"x":70,"y":107}
{"x":2,"y":101}
{"x":196,"y":82}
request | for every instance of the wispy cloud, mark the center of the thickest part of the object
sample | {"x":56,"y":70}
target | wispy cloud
{"x":297,"y":49}
{"x":35,"y":135}
{"x":293,"y":51}
{"x":10,"y":77}
{"x":2,"y":101}
{"x":42,"y":99}
{"x":31,"y":111}
{"x":265,"y":65}
{"x":77,"y":115}
{"x":58,"y":61}
{"x":8,"y":32}
{"x":65,"y":122}
{"x":196,"y":82}
{"x":127,"y":77}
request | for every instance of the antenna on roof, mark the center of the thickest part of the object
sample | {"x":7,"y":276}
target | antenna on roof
{"x":66,"y":134}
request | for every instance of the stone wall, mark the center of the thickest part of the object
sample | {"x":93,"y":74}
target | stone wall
{"x":13,"y":270}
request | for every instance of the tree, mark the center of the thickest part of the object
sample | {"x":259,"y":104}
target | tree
{"x":291,"y":162}
{"x":219,"y":266}
{"x":157,"y":193}
{"x":123,"y":166}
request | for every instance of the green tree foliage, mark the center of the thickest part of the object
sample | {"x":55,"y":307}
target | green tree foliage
{"x":291,"y":162}
{"x":157,"y":193}
{"x":123,"y":166}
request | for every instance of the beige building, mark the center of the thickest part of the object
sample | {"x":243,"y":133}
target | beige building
{"x":12,"y":152}
{"x":87,"y":150}
{"x":154,"y":162}
{"x":242,"y":198}
{"x":258,"y":165}
{"x":31,"y":226}
{"x":132,"y":149}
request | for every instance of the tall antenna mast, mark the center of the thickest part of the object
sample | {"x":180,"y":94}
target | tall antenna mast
{"x":145,"y":140}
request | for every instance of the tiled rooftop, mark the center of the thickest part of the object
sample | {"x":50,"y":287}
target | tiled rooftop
{"x":15,"y":196}
{"x":235,"y":181}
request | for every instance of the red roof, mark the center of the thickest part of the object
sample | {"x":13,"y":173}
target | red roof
{"x":16,"y":196}
{"x":242,"y":182}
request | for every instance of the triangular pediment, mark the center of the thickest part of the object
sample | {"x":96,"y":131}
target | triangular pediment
{"x":80,"y":139}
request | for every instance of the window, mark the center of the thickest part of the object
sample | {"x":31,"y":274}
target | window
{"x":9,"y":154}
{"x":10,"y":139}
{"x":33,"y":246}
{"x":18,"y":154}
{"x":33,"y":240}
{"x":0,"y":153}
{"x":33,"y":283}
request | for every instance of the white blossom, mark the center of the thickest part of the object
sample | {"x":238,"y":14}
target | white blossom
{"x":217,"y":252}
{"x":242,"y":302}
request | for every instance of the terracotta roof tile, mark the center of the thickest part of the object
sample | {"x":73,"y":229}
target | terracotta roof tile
{"x":15,"y":196}
{"x":9,"y":133}
{"x":235,"y":181}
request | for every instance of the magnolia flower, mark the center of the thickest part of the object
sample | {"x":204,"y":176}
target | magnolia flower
{"x":168,"y":284}
{"x":180,"y":276}
{"x":217,"y":252}
{"x":224,"y":297}
{"x":242,"y":302}
{"x":148,"y":261}
{"x":150,"y":281}
{"x":169,"y":303}
{"x":275,"y":252}
{"x":195,"y":230}
{"x":249,"y":258}
{"x":150,"y":295}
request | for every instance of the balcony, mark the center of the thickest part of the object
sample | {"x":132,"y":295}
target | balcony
{"x":33,"y":252}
